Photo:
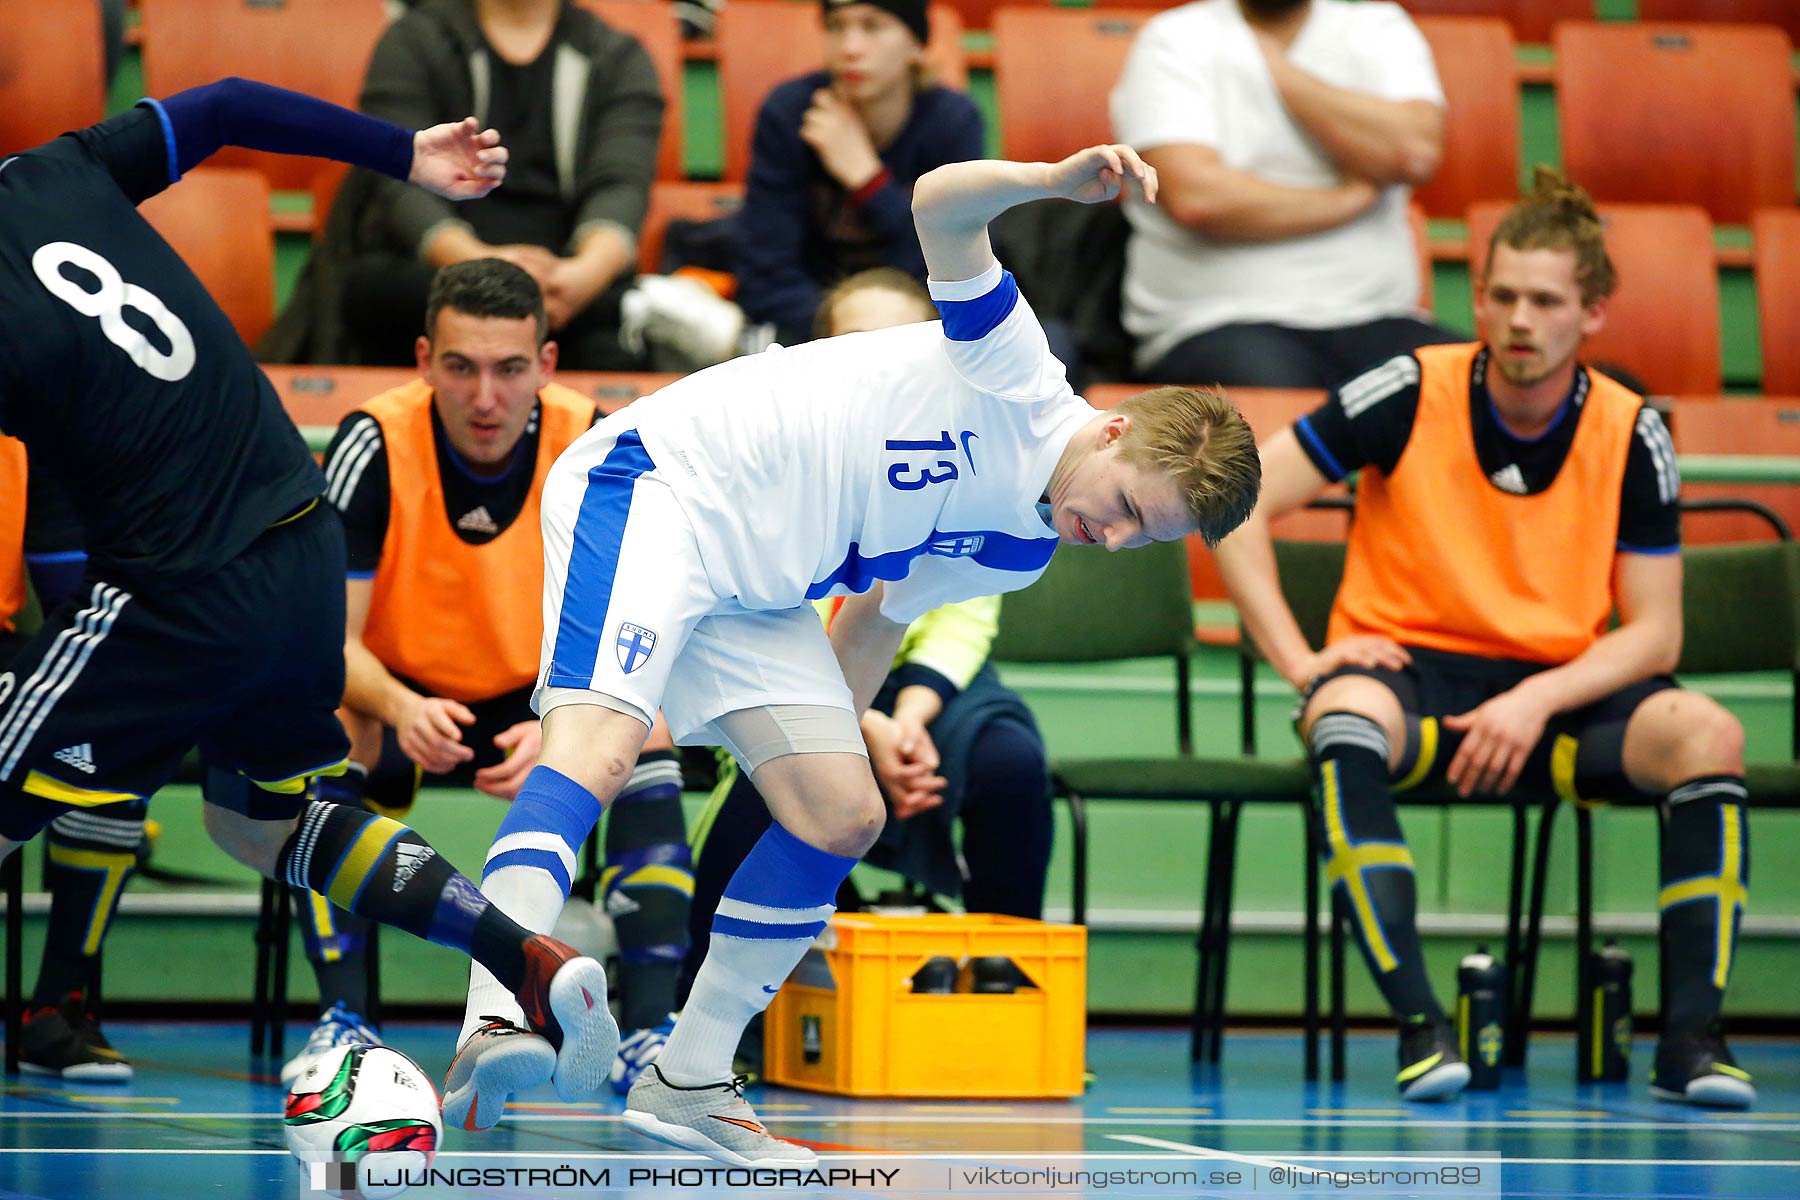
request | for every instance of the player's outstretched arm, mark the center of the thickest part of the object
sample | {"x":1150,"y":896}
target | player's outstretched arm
{"x":458,"y":160}
{"x":953,"y":204}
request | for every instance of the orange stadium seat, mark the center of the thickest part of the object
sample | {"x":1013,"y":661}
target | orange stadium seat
{"x":1785,"y":13}
{"x":1530,"y":19}
{"x":1269,"y":411}
{"x":52,"y":71}
{"x":1737,"y":425}
{"x":1678,"y":114}
{"x":653,"y":24}
{"x":320,"y":47}
{"x":682,"y":202}
{"x":1663,"y":321}
{"x":1053,"y":71}
{"x":217,"y":219}
{"x":1474,"y":57}
{"x":1777,"y":259}
{"x":1421,"y":232}
{"x":765,"y":42}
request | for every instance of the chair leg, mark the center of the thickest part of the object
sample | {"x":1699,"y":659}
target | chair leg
{"x":1515,"y":905}
{"x":13,"y":870}
{"x":1339,"y":923}
{"x":1078,"y":857}
{"x":1205,"y":941}
{"x":1524,"y":988}
{"x":283,"y":937}
{"x":1584,"y":917}
{"x":259,"y":986}
{"x":1309,"y":938}
{"x":1222,"y":930}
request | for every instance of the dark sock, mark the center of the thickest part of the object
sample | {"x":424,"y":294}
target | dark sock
{"x":1007,"y":823}
{"x":647,"y":888}
{"x":376,"y":867}
{"x":1367,"y":858}
{"x":336,"y":941}
{"x":92,"y":854}
{"x":1705,"y":884}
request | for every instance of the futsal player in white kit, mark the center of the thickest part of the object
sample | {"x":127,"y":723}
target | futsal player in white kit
{"x":684,"y":536}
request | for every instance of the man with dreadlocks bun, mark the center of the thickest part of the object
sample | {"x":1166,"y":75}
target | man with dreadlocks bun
{"x":1509,"y":500}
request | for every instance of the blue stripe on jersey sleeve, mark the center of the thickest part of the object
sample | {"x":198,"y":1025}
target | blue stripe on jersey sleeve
{"x":359,"y":574}
{"x":972,"y":320}
{"x":168,"y":128}
{"x":1321,"y":457}
{"x":1653,"y":551}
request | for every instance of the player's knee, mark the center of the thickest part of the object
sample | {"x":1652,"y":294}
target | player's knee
{"x":1362,"y":696}
{"x":852,"y":828}
{"x":256,"y":844}
{"x":1677,"y":735}
{"x":1712,"y":740}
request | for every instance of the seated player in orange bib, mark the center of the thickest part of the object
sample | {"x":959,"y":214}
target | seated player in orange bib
{"x":1510,"y":500}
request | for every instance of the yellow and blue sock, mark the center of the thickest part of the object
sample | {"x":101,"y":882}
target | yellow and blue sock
{"x":647,"y":887}
{"x":1705,"y":887}
{"x":92,"y":854}
{"x":1367,"y":859}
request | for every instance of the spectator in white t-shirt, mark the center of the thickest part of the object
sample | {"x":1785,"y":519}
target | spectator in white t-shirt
{"x":1287,"y":134}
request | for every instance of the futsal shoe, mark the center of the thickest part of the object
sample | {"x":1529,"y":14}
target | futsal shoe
{"x":499,"y":1061}
{"x":65,"y":1041}
{"x":637,"y":1050}
{"x":338,"y":1026}
{"x":1431,"y":1068}
{"x":1697,"y":1068}
{"x":564,"y":1000}
{"x":711,"y":1119}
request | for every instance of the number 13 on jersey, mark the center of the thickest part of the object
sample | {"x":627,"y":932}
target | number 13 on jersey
{"x":907,"y":477}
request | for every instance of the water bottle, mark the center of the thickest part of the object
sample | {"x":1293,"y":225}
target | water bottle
{"x":1603,"y":1041}
{"x":1481,"y":1016}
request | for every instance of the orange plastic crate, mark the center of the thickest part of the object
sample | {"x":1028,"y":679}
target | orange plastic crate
{"x":848,"y":1022}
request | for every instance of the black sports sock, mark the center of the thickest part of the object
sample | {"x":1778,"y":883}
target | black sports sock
{"x":378,"y":868}
{"x":1366,"y":856}
{"x":336,"y":941}
{"x":647,"y":888}
{"x":93,"y":853}
{"x":1705,"y":885}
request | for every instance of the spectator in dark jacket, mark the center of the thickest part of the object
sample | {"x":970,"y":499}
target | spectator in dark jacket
{"x":581,"y":111}
{"x":834,"y":160}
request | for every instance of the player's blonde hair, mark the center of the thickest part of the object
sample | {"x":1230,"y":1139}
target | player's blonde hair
{"x":1199,"y":438}
{"x":1559,"y":215}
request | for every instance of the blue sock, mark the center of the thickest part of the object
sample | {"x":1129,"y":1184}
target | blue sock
{"x":779,"y":900}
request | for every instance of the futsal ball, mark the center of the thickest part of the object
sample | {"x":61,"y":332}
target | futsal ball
{"x":361,"y":1119}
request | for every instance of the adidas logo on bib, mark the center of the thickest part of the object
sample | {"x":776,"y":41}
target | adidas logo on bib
{"x":408,"y":859}
{"x":80,"y":757}
{"x":477,"y":520}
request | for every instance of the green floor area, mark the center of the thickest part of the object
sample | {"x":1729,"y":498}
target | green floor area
{"x":1146,"y":861}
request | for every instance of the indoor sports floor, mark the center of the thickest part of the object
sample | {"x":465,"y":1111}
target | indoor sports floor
{"x":197,"y":1123}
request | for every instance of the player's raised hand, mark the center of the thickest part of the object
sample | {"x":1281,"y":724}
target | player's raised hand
{"x":1095,"y":175}
{"x":459,"y":160}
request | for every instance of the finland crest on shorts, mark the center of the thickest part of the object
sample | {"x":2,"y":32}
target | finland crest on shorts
{"x":634,"y":646}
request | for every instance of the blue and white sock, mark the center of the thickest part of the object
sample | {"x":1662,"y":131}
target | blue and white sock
{"x":529,"y":871}
{"x":775,"y":905}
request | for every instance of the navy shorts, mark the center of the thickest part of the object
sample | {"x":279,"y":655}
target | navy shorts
{"x":103,"y":702}
{"x":1580,"y":757}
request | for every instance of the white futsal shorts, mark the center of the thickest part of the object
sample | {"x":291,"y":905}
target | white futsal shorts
{"x":630,"y":614}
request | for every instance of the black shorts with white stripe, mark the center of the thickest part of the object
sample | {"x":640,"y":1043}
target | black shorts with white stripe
{"x":106,"y":698}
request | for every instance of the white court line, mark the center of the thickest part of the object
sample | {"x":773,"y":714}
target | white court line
{"x":1594,"y":1126}
{"x":1249,"y":1160}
